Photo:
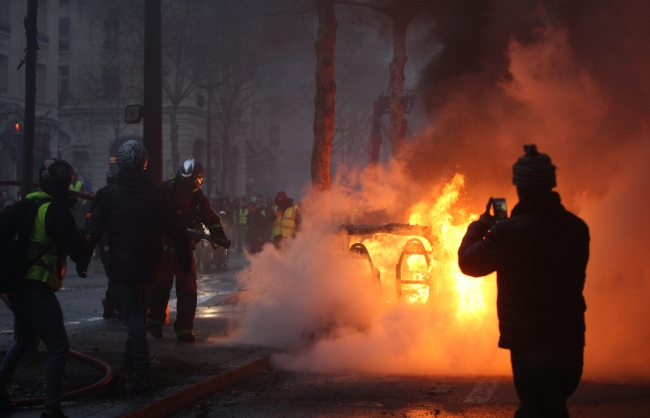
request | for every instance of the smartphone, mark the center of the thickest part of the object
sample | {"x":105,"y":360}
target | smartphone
{"x":499,"y":208}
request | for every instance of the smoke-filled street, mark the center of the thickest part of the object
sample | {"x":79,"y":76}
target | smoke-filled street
{"x":324,"y":208}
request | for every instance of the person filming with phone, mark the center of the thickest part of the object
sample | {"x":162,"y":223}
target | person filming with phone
{"x":540,"y":255}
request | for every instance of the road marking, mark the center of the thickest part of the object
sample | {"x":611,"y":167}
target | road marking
{"x":481,"y":392}
{"x":203,"y":299}
{"x":94,"y":319}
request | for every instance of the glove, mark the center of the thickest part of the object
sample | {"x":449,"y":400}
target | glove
{"x":218,"y":232}
{"x":486,"y":218}
{"x":82,"y":270}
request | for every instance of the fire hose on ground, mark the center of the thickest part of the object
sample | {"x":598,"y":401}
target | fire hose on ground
{"x":108,"y":371}
{"x":108,"y":376}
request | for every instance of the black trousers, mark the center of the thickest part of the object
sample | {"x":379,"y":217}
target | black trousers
{"x":37,"y":313}
{"x":544,"y":380}
{"x":134,"y":302}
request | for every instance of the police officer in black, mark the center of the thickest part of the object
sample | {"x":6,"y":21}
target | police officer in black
{"x":540,"y":255}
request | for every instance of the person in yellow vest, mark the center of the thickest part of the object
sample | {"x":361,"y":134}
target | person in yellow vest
{"x":37,"y":311}
{"x":240,"y":215}
{"x":286,"y":219}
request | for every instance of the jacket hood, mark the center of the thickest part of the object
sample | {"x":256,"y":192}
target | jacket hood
{"x":133,"y":181}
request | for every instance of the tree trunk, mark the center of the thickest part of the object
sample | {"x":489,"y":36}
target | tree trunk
{"x":208,"y":148}
{"x":29,"y":121}
{"x":324,"y":100}
{"x":152,"y":130}
{"x":225,"y":166}
{"x":398,"y":124}
{"x":173,"y":137}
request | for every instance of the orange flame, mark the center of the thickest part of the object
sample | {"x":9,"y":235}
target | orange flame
{"x":468,"y":297}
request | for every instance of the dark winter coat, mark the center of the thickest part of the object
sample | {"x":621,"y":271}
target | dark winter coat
{"x":136,"y":211}
{"x":256,"y":226}
{"x":540,"y":255}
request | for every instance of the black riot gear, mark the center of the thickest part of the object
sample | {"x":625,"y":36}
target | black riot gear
{"x":190,"y":176}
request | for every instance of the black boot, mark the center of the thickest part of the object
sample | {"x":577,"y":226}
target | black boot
{"x":56,"y":413}
{"x":6,"y":406}
{"x":156,"y":330}
{"x":141,"y":383}
{"x":128,"y":364}
{"x":187,"y":337}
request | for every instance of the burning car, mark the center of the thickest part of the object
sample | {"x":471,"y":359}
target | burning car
{"x":412,"y":267}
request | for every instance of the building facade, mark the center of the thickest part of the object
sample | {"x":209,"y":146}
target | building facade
{"x":88,"y":70}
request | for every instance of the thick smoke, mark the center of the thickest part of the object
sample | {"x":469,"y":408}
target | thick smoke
{"x":570,"y":76}
{"x":317,"y":301}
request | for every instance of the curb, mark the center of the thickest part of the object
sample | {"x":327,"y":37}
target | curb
{"x":181,"y":399}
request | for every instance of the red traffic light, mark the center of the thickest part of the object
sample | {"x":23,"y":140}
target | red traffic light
{"x":16,"y":127}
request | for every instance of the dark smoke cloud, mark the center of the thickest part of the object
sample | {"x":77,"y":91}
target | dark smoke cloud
{"x":608,"y":41}
{"x":571,"y":76}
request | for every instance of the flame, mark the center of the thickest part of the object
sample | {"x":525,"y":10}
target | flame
{"x":448,"y":218}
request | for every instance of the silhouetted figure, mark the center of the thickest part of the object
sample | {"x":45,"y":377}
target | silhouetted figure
{"x":185,"y":191}
{"x":135,"y":211}
{"x":285,"y":219}
{"x":540,"y":255}
{"x":111,"y":302}
{"x":256,"y":225}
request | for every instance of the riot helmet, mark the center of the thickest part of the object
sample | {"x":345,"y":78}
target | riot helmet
{"x":55,"y":177}
{"x":190,"y":176}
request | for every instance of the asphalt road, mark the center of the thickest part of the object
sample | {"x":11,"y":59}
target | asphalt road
{"x":280,"y":393}
{"x":81,"y":298}
{"x":291,"y":395}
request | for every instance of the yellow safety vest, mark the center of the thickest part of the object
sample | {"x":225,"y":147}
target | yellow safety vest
{"x":47,"y":269}
{"x":243,"y":213}
{"x":285,"y":225}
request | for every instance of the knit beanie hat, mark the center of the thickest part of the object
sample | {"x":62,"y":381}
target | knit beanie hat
{"x":533,"y":169}
{"x":132,"y":155}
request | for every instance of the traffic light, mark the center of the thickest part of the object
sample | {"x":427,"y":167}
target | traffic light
{"x":16,"y":127}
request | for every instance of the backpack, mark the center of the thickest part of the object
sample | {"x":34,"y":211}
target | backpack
{"x":16,"y":224}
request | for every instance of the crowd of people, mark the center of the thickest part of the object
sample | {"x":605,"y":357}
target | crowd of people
{"x":144,"y":233}
{"x":251,"y":222}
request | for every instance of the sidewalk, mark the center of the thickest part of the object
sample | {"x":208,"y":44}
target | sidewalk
{"x":174,"y":366}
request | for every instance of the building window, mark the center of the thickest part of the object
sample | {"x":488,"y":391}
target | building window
{"x":41,"y":82}
{"x":42,"y":17}
{"x":4,"y":12}
{"x":64,"y":84}
{"x":111,"y":32}
{"x":64,"y":34}
{"x":110,"y":79}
